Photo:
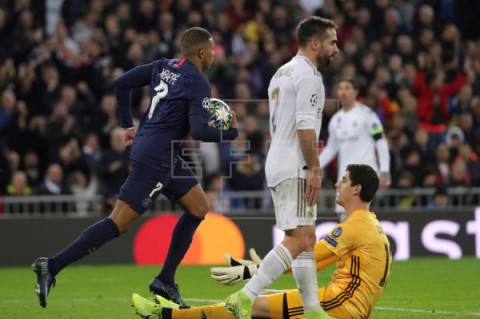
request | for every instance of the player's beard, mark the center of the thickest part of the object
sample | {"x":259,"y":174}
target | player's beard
{"x":323,"y":61}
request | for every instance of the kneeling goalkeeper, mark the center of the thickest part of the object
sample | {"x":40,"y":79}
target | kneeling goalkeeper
{"x":358,"y":246}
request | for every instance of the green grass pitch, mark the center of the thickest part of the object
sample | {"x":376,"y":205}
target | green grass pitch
{"x":420,"y":288}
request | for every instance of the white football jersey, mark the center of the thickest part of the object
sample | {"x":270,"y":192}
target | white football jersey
{"x":296,"y":98}
{"x":351,"y":135}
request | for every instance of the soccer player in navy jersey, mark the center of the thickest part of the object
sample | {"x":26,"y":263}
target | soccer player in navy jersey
{"x":180,"y":97}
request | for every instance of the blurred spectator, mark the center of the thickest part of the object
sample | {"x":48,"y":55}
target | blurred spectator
{"x":210,"y":158}
{"x":53,"y":183}
{"x":92,"y":153}
{"x":413,"y":164}
{"x":465,"y":122}
{"x":471,"y":161}
{"x":83,"y":189}
{"x":7,"y":111}
{"x":217,"y":193}
{"x":453,"y":139}
{"x":406,"y":182}
{"x":432,"y":94}
{"x":421,"y":145}
{"x":237,"y":12}
{"x":248,"y":175}
{"x":114,"y":168}
{"x":440,"y":199}
{"x":442,"y":159}
{"x":19,"y":185}
{"x":262,"y":116}
{"x":71,"y":159}
{"x":254,"y":135}
{"x":32,"y":170}
{"x":107,"y":119}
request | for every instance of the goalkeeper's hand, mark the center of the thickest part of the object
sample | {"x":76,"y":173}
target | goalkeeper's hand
{"x":256,"y":260}
{"x":238,"y":271}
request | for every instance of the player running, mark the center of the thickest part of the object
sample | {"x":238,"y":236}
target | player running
{"x":358,"y":246}
{"x":180,"y":97}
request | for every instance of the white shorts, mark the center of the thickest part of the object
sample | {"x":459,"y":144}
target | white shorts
{"x":291,"y":209}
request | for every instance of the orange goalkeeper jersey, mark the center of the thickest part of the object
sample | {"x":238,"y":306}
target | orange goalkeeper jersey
{"x":363,"y":265}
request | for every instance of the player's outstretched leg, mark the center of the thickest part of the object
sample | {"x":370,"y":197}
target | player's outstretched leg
{"x":146,"y":308}
{"x":239,"y":305}
{"x":45,"y":280}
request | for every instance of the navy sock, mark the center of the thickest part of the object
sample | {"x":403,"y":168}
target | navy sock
{"x":89,"y":240}
{"x":181,"y":239}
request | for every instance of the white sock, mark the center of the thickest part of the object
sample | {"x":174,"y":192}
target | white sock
{"x":275,"y":263}
{"x":305,"y":273}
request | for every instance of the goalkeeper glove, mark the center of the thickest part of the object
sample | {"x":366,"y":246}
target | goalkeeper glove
{"x":256,"y":260}
{"x":238,"y":271}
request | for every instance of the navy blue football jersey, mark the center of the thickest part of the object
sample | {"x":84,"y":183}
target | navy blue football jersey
{"x":180,"y":97}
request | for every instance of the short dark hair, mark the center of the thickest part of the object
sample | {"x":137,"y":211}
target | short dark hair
{"x":350,"y":80}
{"x":364,"y":175}
{"x":192,"y":38}
{"x":313,"y":26}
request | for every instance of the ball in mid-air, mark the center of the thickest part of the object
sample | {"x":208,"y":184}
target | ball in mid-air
{"x":219,"y":114}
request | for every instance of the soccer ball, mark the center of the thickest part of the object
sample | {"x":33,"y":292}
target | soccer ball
{"x":219,"y":114}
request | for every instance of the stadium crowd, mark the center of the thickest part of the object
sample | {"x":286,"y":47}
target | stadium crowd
{"x":417,"y":64}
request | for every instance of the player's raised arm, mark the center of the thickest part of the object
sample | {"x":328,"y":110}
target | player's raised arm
{"x":134,"y":78}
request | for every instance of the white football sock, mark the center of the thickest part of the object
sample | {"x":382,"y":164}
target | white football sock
{"x":275,"y":263}
{"x":305,"y":273}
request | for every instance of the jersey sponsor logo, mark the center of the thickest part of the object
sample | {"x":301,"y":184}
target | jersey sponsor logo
{"x":206,"y":103}
{"x":169,"y":76}
{"x":331,"y":241}
{"x":337,"y":232}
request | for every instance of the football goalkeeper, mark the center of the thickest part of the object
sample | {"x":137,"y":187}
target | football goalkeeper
{"x":358,"y":246}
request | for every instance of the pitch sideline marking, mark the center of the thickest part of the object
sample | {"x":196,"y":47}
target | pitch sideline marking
{"x":433,"y":312}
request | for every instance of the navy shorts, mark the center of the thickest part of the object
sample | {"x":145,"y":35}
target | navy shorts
{"x":143,"y":185}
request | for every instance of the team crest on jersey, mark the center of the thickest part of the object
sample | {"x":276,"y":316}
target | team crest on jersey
{"x":337,"y":232}
{"x":206,"y":103}
{"x":314,"y":99}
{"x":146,"y":202}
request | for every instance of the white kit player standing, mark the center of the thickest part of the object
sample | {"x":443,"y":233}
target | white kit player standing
{"x":296,"y":99}
{"x":356,"y":134}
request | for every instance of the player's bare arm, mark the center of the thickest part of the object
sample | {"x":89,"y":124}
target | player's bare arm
{"x":385,"y":179}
